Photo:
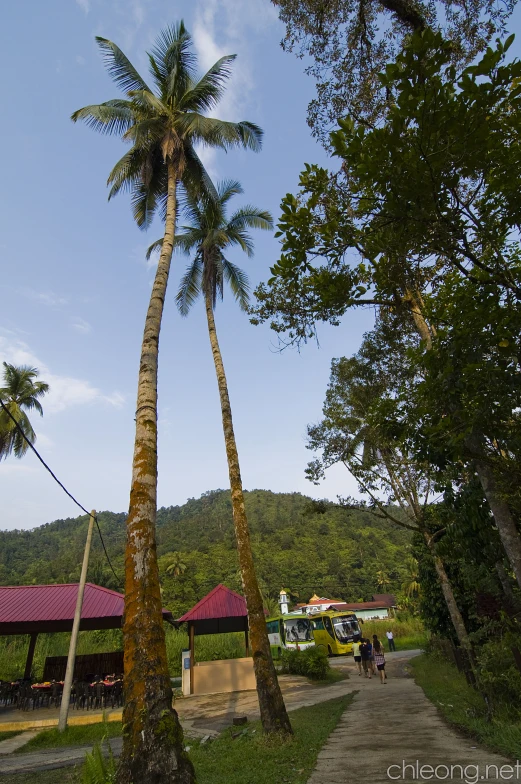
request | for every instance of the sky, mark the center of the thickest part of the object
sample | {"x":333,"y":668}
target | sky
{"x":75,"y":283}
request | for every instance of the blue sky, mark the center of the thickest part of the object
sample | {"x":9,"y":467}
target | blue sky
{"x":75,"y":283}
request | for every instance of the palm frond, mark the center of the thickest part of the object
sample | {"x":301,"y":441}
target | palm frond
{"x":126,"y":171}
{"x":174,"y":60}
{"x":119,"y":66}
{"x":156,"y":246}
{"x":195,"y":177}
{"x":238,"y":282}
{"x":218,"y":133}
{"x":252,"y":218}
{"x":228,"y":188}
{"x":209,"y":90}
{"x":190,"y":286}
{"x":111,"y":117}
{"x":189,"y":240}
{"x":240,"y":238}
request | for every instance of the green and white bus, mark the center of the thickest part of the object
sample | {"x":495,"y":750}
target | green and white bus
{"x":293,"y":631}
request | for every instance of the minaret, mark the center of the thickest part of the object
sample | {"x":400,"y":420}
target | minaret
{"x":283,"y":602}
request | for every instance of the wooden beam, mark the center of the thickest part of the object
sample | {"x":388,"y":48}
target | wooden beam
{"x":191,"y":633}
{"x":30,"y":655}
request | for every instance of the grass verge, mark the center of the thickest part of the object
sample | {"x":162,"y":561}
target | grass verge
{"x":237,"y":756}
{"x":63,"y":775}
{"x":76,"y":735}
{"x":463,"y":707}
{"x":253,"y":758}
{"x":7,"y":735}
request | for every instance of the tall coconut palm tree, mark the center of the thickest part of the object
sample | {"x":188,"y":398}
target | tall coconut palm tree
{"x":19,"y":394}
{"x":209,"y":236}
{"x":163,"y":124}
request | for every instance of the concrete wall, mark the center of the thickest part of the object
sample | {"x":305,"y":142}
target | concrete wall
{"x":368,"y":614}
{"x":215,"y":677}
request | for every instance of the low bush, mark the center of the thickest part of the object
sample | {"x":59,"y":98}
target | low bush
{"x":98,"y":768}
{"x":311,"y":662}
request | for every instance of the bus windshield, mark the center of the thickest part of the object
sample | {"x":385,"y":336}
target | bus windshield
{"x":298,"y":630}
{"x":345,"y":628}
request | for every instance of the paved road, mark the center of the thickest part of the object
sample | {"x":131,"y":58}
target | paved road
{"x":396,"y":725}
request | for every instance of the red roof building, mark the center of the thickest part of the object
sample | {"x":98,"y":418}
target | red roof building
{"x":220,"y":611}
{"x":33,"y":609}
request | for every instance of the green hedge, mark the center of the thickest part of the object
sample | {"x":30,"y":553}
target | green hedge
{"x":311,"y":662}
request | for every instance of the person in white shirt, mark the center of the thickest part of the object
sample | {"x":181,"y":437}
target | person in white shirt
{"x":390,"y":640}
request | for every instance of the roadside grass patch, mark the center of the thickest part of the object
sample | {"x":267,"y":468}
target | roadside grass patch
{"x":254,"y":758}
{"x":75,"y":735}
{"x":409,"y":634}
{"x":63,"y":775}
{"x":7,"y":735}
{"x":463,"y":707}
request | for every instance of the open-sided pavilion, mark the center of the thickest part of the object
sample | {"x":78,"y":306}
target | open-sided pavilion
{"x":219,"y":612}
{"x":39,"y":609}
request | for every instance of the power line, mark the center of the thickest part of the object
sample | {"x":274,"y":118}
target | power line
{"x":42,"y":461}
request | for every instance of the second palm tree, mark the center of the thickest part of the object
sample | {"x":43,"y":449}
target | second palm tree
{"x":210,"y":234}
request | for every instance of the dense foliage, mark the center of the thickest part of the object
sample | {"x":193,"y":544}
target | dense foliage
{"x":308,"y":548}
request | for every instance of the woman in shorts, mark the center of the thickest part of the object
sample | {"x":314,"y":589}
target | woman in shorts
{"x":379,"y":659}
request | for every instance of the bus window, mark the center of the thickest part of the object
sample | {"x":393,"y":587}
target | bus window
{"x":298,"y":630}
{"x":345,"y":629}
{"x":318,"y":624}
{"x":328,"y":626}
{"x":273,"y":627}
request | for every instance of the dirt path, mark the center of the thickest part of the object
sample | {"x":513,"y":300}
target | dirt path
{"x":396,"y":725}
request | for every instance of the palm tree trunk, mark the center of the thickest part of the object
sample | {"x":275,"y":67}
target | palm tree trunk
{"x":152,"y":735}
{"x":273,"y":712}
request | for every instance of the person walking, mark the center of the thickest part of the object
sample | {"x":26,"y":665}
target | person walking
{"x":390,"y":640}
{"x":357,"y":655}
{"x":379,"y":658}
{"x":376,"y":643}
{"x":365,"y":653}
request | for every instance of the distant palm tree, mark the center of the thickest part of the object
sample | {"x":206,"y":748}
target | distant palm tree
{"x":411,"y":585}
{"x":176,"y":566}
{"x":209,"y":236}
{"x":163,"y":124}
{"x":19,"y":394}
{"x":383,"y":579}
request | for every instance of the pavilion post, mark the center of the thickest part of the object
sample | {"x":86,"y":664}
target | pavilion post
{"x":69,"y":672}
{"x":30,"y":655}
{"x":246,"y":642}
{"x":191,"y":634}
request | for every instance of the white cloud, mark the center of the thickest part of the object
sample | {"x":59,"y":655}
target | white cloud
{"x":82,"y":326}
{"x":228,"y":27}
{"x":44,"y":440}
{"x":65,"y":391}
{"x":84,"y":5}
{"x":49,"y":298}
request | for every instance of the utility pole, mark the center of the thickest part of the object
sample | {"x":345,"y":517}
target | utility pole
{"x":69,"y":672}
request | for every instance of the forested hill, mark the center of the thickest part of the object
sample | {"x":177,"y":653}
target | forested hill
{"x":301,"y":546}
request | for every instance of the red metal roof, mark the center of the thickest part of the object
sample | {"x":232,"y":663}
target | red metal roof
{"x":358,"y":606}
{"x":387,"y":598}
{"x":26,"y":608}
{"x":221,"y":602}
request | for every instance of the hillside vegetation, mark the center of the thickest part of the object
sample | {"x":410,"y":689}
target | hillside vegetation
{"x":303,"y":546}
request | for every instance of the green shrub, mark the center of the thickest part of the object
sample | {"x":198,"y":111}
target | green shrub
{"x":311,"y":662}
{"x":97,"y":768}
